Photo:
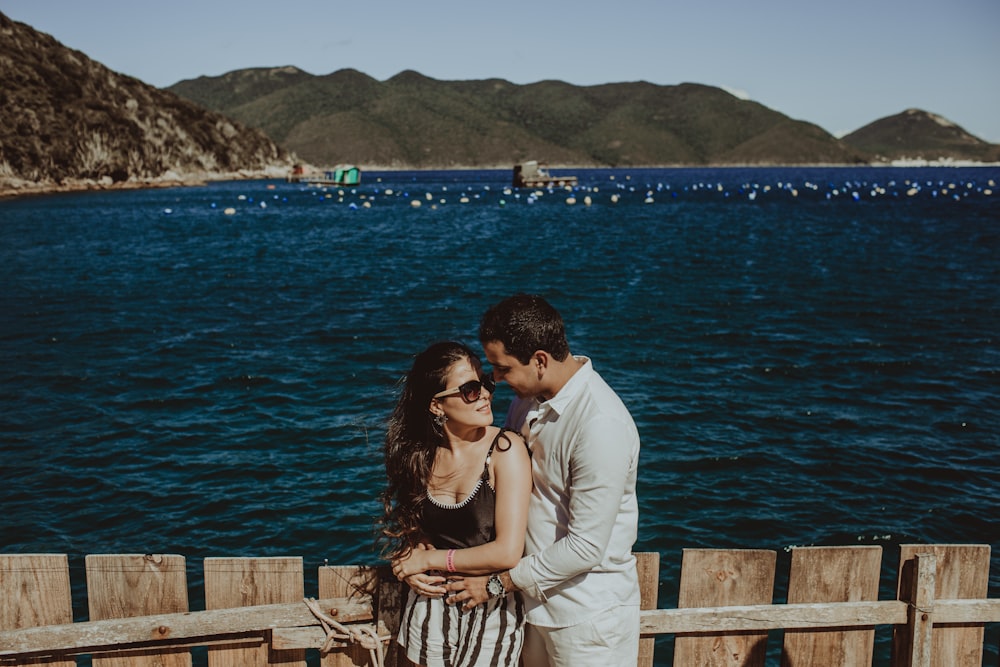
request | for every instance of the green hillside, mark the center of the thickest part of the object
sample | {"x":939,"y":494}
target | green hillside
{"x":414,"y":121}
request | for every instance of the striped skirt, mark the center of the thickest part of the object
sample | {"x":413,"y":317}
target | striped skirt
{"x":436,"y":634}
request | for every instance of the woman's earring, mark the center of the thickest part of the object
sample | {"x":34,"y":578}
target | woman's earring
{"x":441,"y":419}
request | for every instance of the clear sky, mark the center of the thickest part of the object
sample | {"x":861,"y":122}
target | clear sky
{"x":840,"y":64}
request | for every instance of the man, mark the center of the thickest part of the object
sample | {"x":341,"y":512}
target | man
{"x":578,"y":575}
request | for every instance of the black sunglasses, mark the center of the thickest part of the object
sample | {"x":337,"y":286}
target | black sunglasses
{"x":471,"y":390}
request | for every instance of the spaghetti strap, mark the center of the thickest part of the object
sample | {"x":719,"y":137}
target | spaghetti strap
{"x":489,"y":455}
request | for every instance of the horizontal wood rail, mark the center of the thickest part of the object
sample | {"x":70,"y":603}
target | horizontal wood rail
{"x":242,"y":624}
{"x":716,"y":620}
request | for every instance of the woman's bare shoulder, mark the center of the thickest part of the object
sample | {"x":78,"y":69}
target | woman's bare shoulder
{"x":512,"y":445}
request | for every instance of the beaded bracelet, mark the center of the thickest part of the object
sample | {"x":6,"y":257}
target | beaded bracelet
{"x":449,"y":560}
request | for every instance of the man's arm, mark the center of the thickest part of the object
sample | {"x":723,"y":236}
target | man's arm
{"x":599,"y":474}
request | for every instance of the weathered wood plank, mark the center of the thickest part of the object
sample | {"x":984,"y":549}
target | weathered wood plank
{"x":391,"y":599}
{"x":708,"y":620}
{"x":648,"y":566}
{"x":284,"y":639}
{"x":346,"y":581}
{"x":918,"y":613}
{"x":962,"y":573}
{"x":718,"y":578}
{"x":35,"y":591}
{"x":746,"y":618}
{"x":193,"y":629}
{"x":967,"y":611}
{"x":298,"y":628}
{"x":130,"y":585}
{"x":244,"y":582}
{"x":832,"y":574}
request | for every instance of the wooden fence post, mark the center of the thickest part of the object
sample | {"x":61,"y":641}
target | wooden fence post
{"x":648,"y":567}
{"x":720,"y":578}
{"x":35,"y":591}
{"x":960,"y":572}
{"x":912,"y":646}
{"x":832,"y":574}
{"x":347,"y":581}
{"x":129,"y":585}
{"x":244,"y":582}
{"x":391,"y":599}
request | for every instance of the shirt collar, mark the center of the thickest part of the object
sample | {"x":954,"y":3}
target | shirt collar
{"x":573,"y":386}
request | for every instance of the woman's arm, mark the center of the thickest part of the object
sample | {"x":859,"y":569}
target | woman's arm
{"x":512,"y":480}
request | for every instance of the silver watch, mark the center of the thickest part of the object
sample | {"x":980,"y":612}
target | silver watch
{"x":494,"y":586}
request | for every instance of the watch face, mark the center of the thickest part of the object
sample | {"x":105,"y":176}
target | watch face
{"x":494,"y":586}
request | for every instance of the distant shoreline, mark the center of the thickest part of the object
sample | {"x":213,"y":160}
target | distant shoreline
{"x":38,"y":189}
{"x":12,"y":188}
{"x":15,"y":188}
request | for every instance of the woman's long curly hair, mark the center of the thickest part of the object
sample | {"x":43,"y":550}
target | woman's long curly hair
{"x":411,"y":441}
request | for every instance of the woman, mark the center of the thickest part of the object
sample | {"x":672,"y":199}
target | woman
{"x":456,"y":503}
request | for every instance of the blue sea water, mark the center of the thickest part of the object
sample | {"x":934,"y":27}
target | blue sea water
{"x":811,"y":355}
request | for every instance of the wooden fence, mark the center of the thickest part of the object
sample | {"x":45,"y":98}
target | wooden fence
{"x":255,"y":612}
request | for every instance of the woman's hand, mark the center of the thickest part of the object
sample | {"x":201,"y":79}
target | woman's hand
{"x":415,"y":562}
{"x":413,"y":569}
{"x":428,"y":585}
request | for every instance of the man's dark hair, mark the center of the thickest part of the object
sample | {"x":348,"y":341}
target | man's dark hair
{"x":525,"y":323}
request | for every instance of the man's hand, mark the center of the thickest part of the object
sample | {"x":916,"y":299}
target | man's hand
{"x":467,"y":591}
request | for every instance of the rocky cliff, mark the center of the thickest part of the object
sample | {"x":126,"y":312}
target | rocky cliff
{"x":67,"y":122}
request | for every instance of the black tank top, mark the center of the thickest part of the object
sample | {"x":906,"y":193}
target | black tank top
{"x":469,"y":523}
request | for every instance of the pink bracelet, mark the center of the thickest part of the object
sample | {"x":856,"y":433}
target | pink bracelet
{"x":449,"y":560}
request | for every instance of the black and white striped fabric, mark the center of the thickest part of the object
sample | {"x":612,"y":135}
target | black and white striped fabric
{"x":436,"y":634}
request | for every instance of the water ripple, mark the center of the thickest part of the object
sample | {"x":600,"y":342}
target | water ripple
{"x":803,"y":369}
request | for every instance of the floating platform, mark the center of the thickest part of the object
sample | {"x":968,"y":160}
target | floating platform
{"x":531,"y":174}
{"x":342,"y":174}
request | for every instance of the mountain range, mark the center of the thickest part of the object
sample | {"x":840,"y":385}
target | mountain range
{"x":412,"y":121}
{"x":68,"y":122}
